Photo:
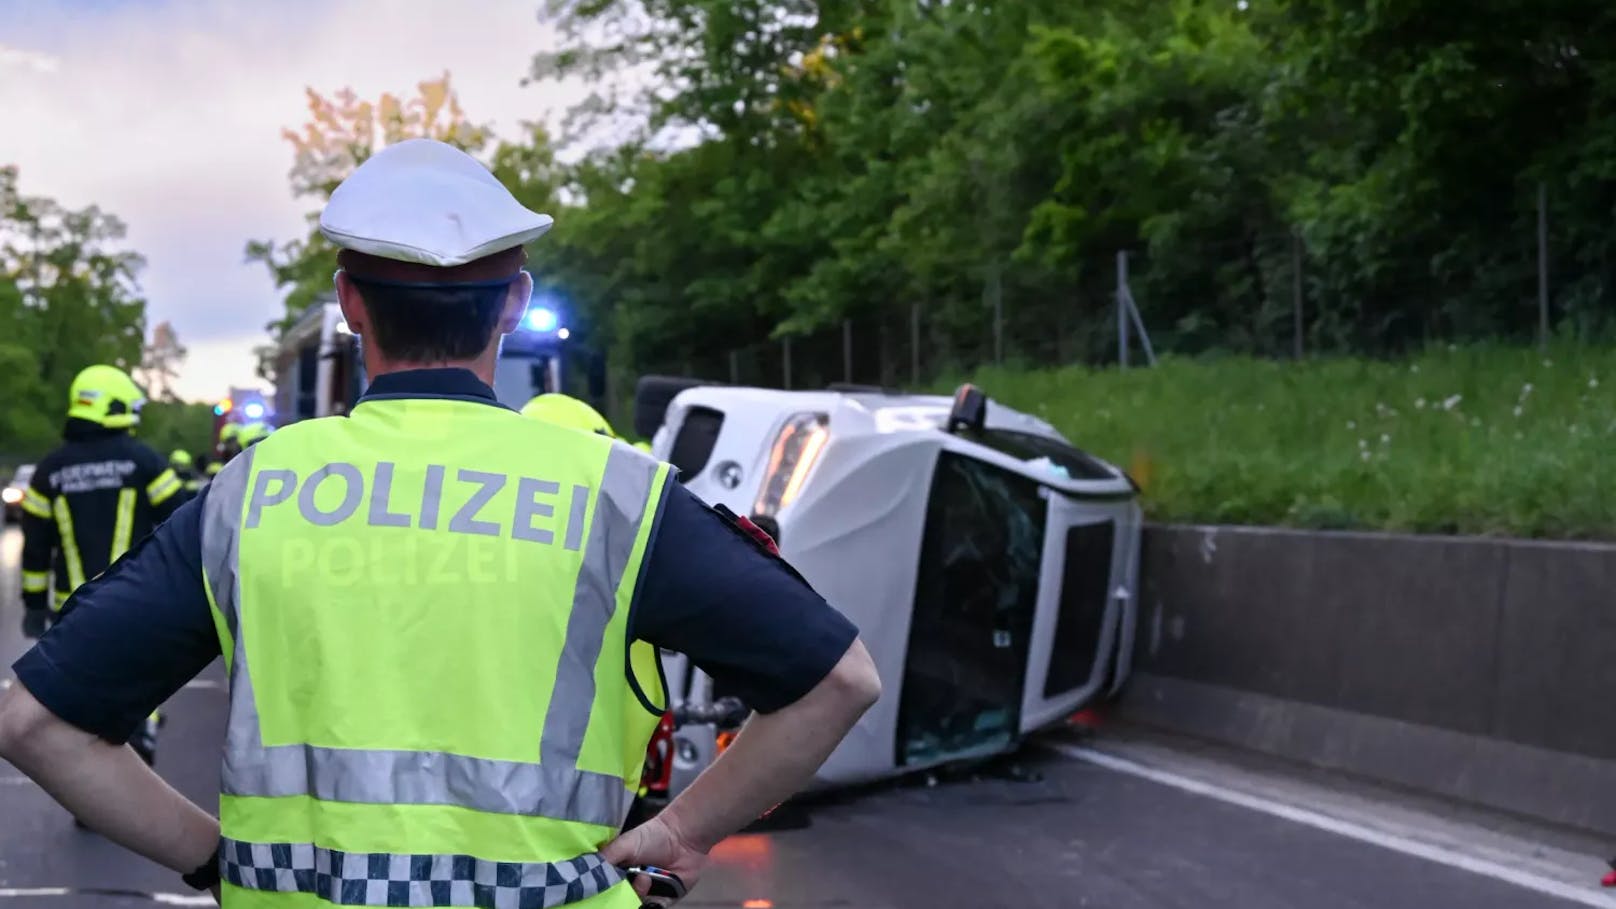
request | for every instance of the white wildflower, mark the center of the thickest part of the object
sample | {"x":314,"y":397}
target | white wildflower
{"x":1593,"y":382}
{"x":1385,"y":439}
{"x":1526,"y":389}
{"x":1518,"y":410}
{"x":1363,"y":443}
{"x":1365,"y":455}
{"x":1414,"y":367}
{"x":1419,"y":403}
{"x":1352,"y":424}
{"x":1451,"y":402}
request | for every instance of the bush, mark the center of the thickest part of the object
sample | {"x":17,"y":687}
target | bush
{"x":1477,"y":440}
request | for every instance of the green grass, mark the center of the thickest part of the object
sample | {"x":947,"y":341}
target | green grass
{"x":1474,"y":440}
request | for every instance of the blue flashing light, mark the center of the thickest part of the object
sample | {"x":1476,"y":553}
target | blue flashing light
{"x":540,"y":318}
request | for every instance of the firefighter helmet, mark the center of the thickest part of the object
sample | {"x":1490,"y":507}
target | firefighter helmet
{"x":105,"y":395}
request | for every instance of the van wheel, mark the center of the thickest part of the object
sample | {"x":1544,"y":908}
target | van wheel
{"x":652,"y":395}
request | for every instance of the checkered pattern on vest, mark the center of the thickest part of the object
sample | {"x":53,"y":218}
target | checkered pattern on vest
{"x":383,"y":879}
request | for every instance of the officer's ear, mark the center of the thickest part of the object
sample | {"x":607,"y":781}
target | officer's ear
{"x":352,"y":304}
{"x":510,"y":316}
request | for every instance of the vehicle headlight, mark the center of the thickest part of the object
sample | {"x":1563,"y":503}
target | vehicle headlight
{"x":796,"y":449}
{"x":11,"y":495}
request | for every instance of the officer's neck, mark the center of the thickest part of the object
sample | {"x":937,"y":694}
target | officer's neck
{"x":482,"y":366}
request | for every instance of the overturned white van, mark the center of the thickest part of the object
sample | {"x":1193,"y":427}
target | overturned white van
{"x":991,"y":566}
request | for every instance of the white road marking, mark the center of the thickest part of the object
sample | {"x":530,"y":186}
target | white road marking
{"x":1406,"y":845}
{"x":171,"y":899}
{"x":193,"y":685}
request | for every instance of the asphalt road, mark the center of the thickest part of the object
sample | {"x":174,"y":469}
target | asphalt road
{"x":1081,"y":834}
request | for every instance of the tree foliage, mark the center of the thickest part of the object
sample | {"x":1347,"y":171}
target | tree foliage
{"x":342,"y":131}
{"x":777,"y":166}
{"x":68,"y":299}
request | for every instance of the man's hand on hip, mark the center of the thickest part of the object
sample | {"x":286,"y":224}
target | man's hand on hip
{"x":655,"y":843}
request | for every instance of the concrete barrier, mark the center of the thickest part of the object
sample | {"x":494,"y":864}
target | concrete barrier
{"x":1483,"y":670}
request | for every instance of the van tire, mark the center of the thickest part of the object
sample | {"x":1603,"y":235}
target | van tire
{"x":652,"y":395}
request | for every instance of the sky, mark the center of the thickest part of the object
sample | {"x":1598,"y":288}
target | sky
{"x":168,"y":114}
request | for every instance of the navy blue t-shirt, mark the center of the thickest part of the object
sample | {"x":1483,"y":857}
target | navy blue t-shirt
{"x":135,"y":635}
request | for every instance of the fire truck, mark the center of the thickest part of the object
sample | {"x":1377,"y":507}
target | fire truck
{"x":319,"y":371}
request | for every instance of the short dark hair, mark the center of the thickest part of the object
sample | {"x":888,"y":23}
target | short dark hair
{"x":431,"y":324}
{"x":425,"y":314}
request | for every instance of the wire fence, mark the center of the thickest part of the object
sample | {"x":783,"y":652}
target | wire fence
{"x":1266,"y":296}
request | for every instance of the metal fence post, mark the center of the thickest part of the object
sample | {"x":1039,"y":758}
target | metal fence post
{"x":847,"y":351}
{"x":785,"y":349}
{"x":1122,"y":308}
{"x":914,"y":344}
{"x":996,"y":291}
{"x":1543,"y":265}
{"x":1296,"y":292}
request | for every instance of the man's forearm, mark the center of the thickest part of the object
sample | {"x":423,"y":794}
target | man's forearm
{"x":106,"y":786}
{"x":775,"y":755}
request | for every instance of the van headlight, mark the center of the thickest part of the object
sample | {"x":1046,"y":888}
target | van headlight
{"x":795,"y":451}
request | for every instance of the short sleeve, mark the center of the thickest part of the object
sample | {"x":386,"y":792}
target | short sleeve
{"x":131,"y":638}
{"x":741,"y":615}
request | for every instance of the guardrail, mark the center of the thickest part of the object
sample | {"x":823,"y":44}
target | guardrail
{"x":1478,"y":669}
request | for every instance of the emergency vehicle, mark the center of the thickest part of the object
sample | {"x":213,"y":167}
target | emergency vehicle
{"x":319,"y":371}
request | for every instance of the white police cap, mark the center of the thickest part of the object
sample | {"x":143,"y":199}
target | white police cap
{"x":427,"y":202}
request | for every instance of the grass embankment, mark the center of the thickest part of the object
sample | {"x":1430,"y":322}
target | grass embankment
{"x":1474,"y":440}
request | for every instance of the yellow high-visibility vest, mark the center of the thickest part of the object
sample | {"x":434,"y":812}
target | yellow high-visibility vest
{"x":423,"y":608}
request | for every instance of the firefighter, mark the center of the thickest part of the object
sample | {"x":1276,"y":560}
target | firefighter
{"x":565,"y":410}
{"x":184,"y":467}
{"x":89,"y":501}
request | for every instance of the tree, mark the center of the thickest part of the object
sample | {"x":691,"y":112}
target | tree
{"x":160,"y":362}
{"x":68,"y":299}
{"x":341,"y":133}
{"x":172,"y":424}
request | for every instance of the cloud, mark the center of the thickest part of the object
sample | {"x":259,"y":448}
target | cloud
{"x":11,"y":57}
{"x":169,"y":115}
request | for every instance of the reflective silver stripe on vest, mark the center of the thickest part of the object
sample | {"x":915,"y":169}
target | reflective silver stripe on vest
{"x":387,"y":879}
{"x":554,"y":787}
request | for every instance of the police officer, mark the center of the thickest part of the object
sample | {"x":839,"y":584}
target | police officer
{"x":184,"y":467}
{"x":440,"y":619}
